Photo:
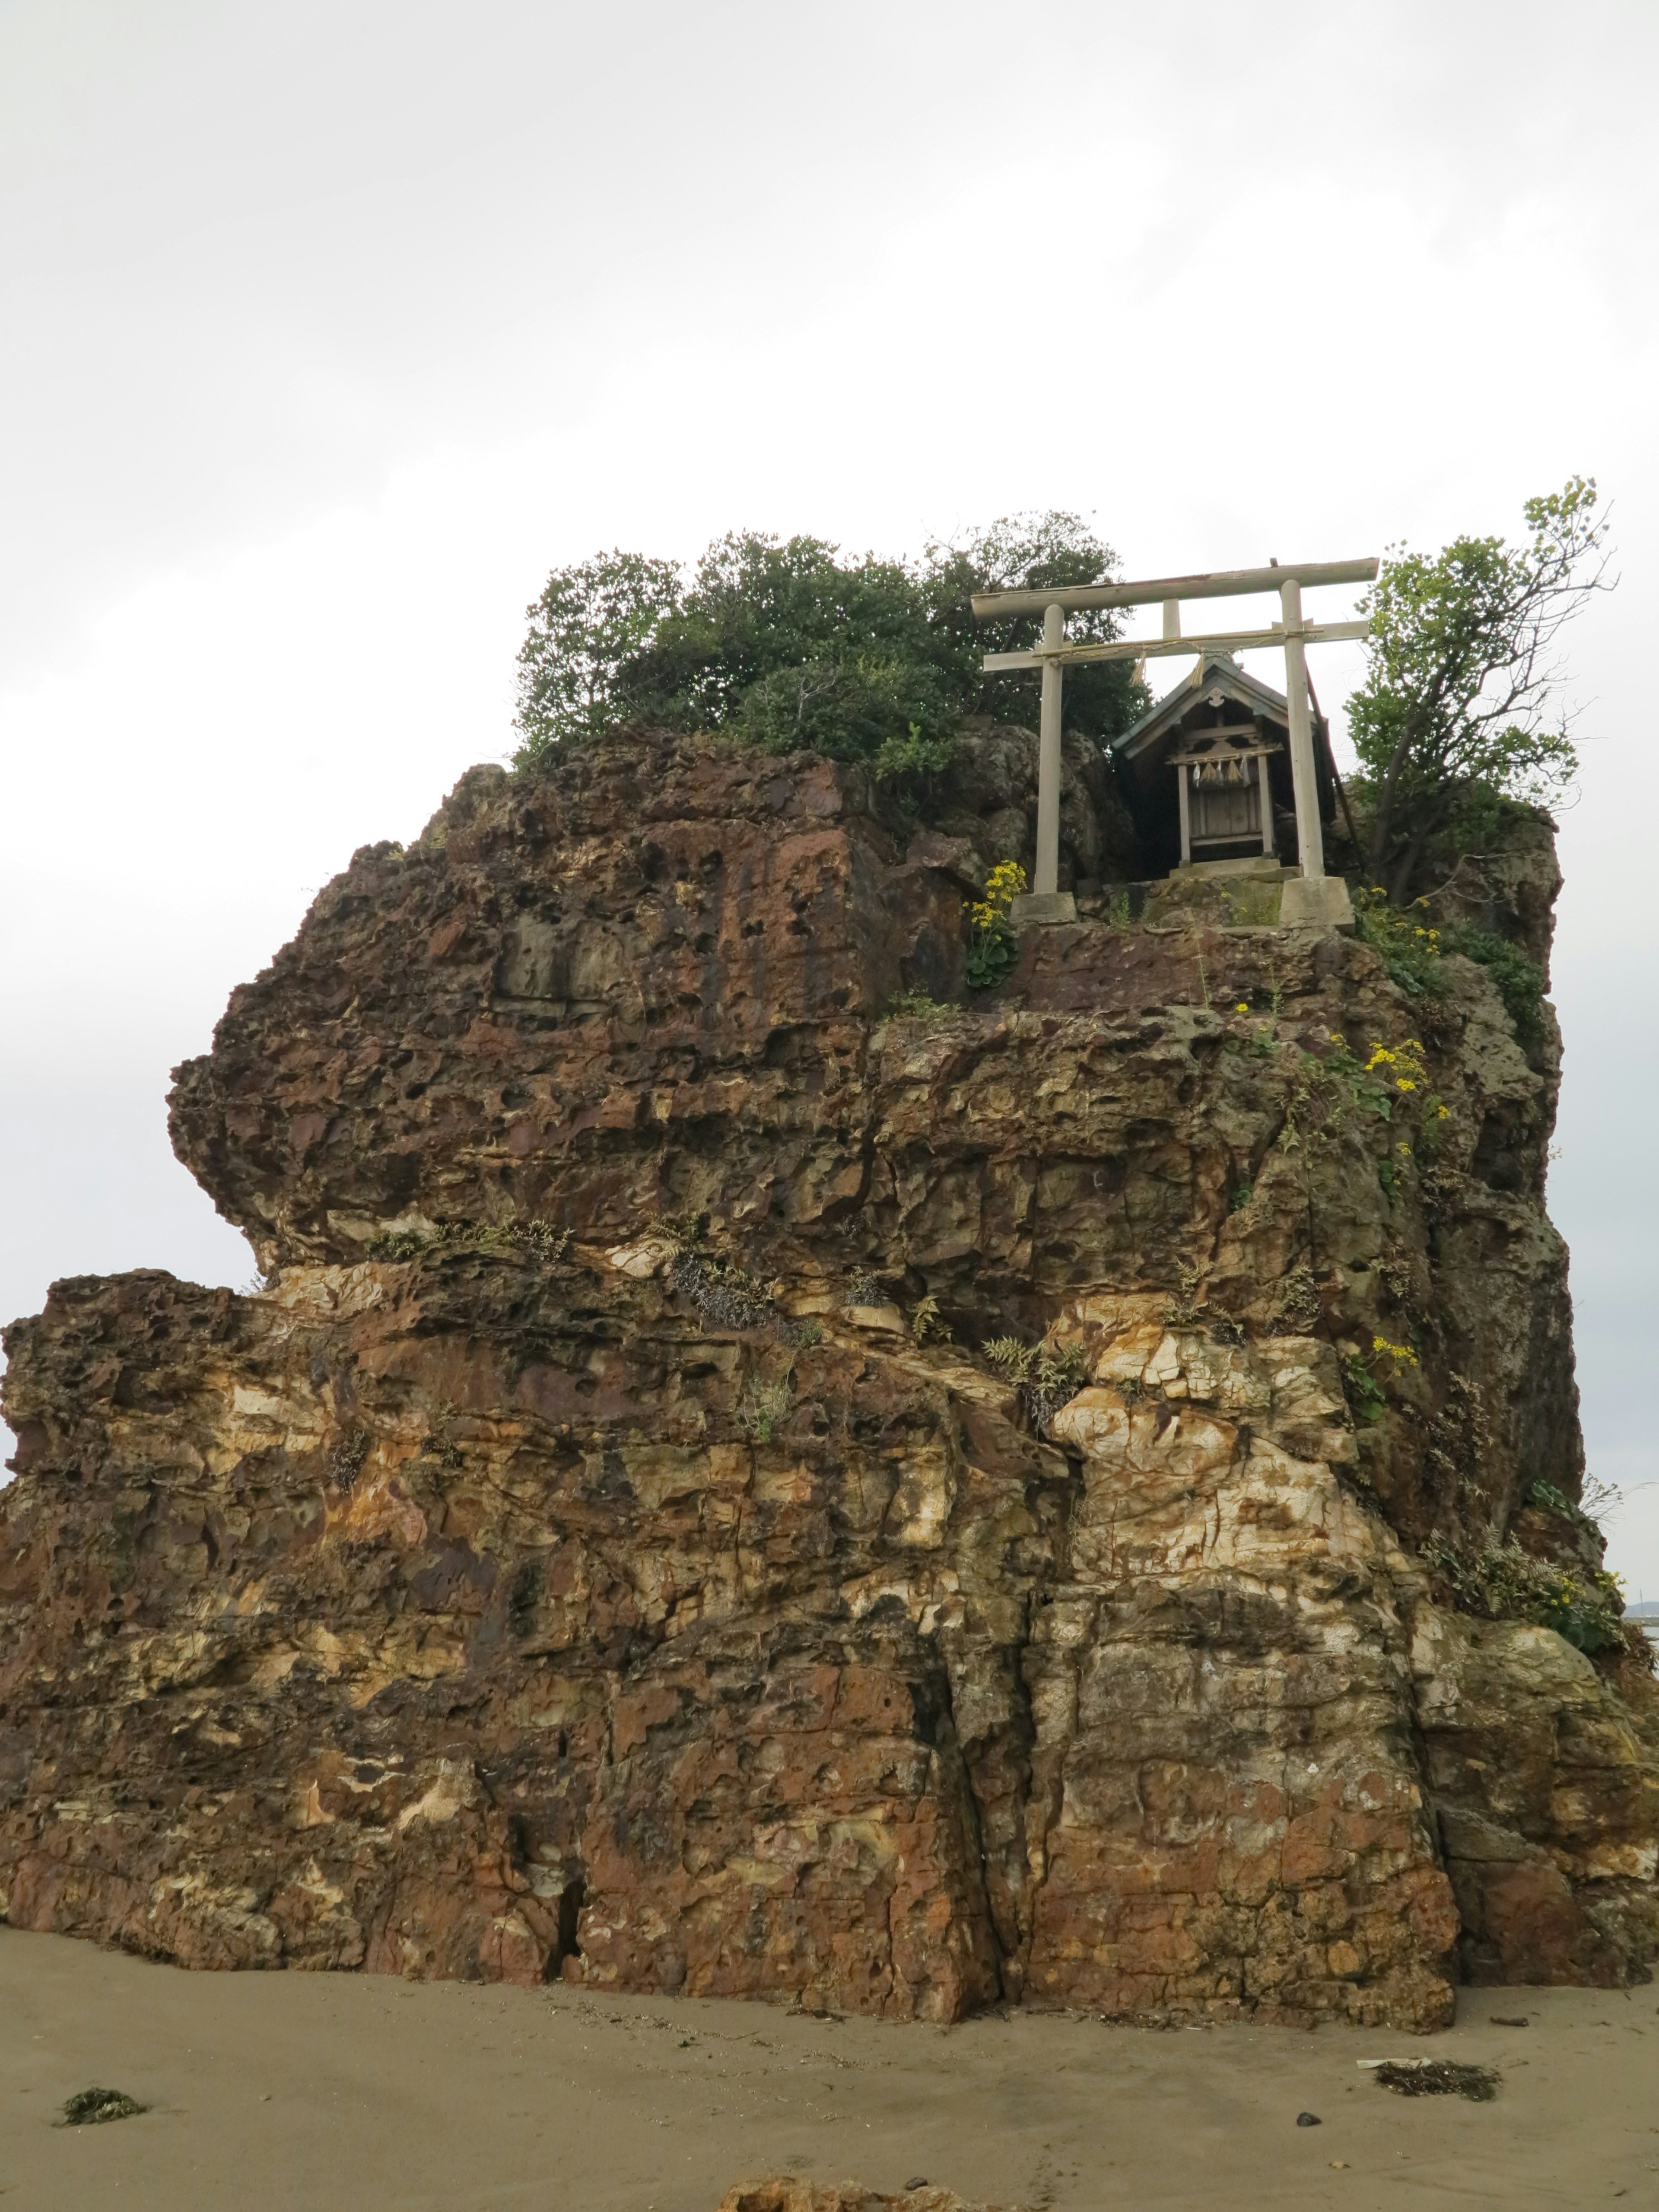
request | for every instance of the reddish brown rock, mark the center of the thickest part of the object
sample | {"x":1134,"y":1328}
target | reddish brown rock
{"x":512,"y":1590}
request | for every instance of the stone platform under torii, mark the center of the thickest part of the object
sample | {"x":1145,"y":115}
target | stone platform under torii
{"x":1223,"y":774}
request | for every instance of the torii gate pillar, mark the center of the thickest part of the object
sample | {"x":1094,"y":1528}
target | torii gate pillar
{"x":1045,"y":901}
{"x":1309,"y":831}
{"x":1312,"y":897}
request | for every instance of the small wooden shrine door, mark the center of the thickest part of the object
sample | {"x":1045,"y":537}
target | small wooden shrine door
{"x":1225,"y":799}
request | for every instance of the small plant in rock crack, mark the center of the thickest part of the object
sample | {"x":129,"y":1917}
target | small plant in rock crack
{"x":916,"y":1006}
{"x":864,"y":1289}
{"x":1298,"y":1311}
{"x":1046,"y":1375}
{"x":1187,"y":1306}
{"x":533,"y":1239}
{"x":440,"y":1441}
{"x":542,"y":1240}
{"x":1398,"y":1357}
{"x":764,"y":1407}
{"x":345,"y":1461}
{"x":724,"y":1296}
{"x":686,"y":1232}
{"x":1363,"y":1384}
{"x":1362,"y":1389}
{"x":992,"y":946}
{"x":402,"y":1244}
{"x":929,"y":1325}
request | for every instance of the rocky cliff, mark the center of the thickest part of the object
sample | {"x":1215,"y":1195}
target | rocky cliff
{"x":608,"y":1548}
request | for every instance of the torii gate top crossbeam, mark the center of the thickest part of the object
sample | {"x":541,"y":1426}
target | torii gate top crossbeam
{"x":1222,"y":584}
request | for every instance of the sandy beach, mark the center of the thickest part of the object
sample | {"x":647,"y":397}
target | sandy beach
{"x":301,"y":2090}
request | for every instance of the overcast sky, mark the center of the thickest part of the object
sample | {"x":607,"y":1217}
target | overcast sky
{"x":326,"y":330}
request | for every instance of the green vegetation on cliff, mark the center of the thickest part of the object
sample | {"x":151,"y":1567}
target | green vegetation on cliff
{"x":1411,"y":950}
{"x":1459,"y":715}
{"x":788,"y":646}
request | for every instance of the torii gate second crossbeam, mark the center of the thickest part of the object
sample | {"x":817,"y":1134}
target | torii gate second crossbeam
{"x":1294,"y":636}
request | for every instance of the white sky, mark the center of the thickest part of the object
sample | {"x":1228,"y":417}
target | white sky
{"x":326,"y":330}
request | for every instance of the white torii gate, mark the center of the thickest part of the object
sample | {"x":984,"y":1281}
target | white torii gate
{"x":1315,"y":898}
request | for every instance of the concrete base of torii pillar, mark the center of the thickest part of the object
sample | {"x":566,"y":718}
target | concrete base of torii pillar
{"x":1042,"y":906}
{"x":1316,"y":902}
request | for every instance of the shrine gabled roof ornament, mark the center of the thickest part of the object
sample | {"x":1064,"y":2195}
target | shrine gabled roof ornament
{"x":1215,"y":672}
{"x":1291,"y":634}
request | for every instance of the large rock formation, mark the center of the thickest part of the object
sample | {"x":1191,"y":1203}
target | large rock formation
{"x":583,"y":1558}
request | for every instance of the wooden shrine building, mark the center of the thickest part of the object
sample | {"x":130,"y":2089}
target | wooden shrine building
{"x":1207,"y":775}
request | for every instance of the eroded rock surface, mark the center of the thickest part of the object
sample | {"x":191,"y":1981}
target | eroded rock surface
{"x":573,"y":1564}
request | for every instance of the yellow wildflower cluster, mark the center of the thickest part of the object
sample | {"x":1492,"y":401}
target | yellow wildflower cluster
{"x":1402,"y":1354}
{"x":1003,"y":886}
{"x":1400,"y":1064}
{"x":1376,"y":897}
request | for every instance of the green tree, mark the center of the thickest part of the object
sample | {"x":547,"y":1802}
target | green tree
{"x":789,"y":645}
{"x":1024,"y":552}
{"x":786,"y":644}
{"x":1460,"y":707}
{"x":590,"y":621}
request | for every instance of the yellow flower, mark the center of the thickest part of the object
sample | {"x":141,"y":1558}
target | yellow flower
{"x":1243,"y":1008}
{"x":1404,"y":1083}
{"x":1445,"y":1114}
{"x":1402,"y":1354}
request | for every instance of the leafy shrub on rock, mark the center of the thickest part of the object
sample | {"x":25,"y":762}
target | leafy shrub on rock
{"x":786,"y":644}
{"x":1586,"y":1605}
{"x":1046,"y":1375}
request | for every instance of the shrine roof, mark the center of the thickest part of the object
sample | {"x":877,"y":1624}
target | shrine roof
{"x":1215,"y":669}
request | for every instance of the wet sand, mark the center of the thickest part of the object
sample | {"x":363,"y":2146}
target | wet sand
{"x":301,"y":2090}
